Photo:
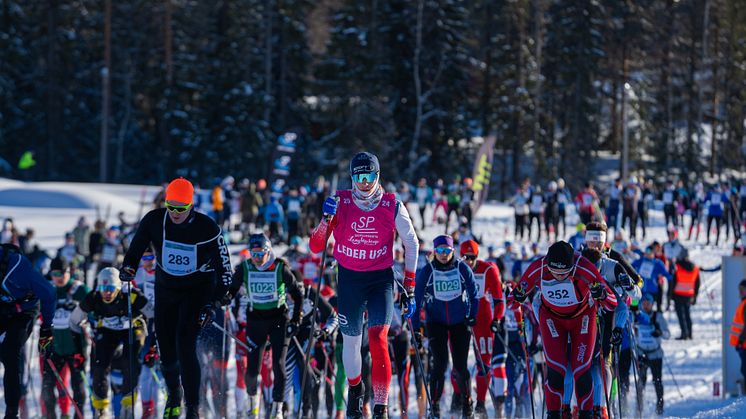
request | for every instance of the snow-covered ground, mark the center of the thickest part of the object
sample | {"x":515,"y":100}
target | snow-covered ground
{"x":53,"y":208}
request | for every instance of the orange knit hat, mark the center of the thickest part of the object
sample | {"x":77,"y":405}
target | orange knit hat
{"x":180,"y":190}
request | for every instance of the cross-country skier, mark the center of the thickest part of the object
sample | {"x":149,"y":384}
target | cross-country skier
{"x":364,"y":223}
{"x":447,"y":291}
{"x":267,"y":281}
{"x":567,"y":282}
{"x":21,"y":290}
{"x":650,"y":328}
{"x":68,"y":349}
{"x":192,"y":276}
{"x":108,"y":305}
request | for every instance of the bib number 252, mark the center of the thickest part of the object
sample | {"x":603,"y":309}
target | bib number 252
{"x":558,"y":294}
{"x":178,"y":259}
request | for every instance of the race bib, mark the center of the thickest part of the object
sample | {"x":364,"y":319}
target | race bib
{"x":645,"y":339}
{"x":294,"y":206}
{"x":148,"y":288}
{"x":179,"y":259}
{"x":561,"y":199}
{"x":116,"y":323}
{"x":263,"y":287}
{"x":559,"y":293}
{"x":109,"y":253}
{"x":310,"y":270}
{"x":536,"y":201}
{"x":307,"y":306}
{"x":447,"y":284}
{"x":646,"y":270}
{"x":715,"y":200}
{"x":667,"y":197}
{"x":61,"y":319}
{"x":587,"y":200}
{"x":511,"y":324}
{"x":479,"y":280}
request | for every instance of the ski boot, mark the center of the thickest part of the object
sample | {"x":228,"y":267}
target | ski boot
{"x":173,"y":409}
{"x":467,"y":408}
{"x":355,"y":401}
{"x":500,"y":407}
{"x":600,"y":412}
{"x":275,"y":411}
{"x":659,"y":407}
{"x":254,"y":404}
{"x":585,"y":414}
{"x":554,"y":414}
{"x":480,"y":411}
{"x":100,"y":408}
{"x":380,"y":411}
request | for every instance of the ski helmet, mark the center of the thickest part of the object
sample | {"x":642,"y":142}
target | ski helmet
{"x":364,"y":162}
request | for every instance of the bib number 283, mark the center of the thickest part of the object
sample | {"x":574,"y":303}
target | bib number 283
{"x":178,"y":259}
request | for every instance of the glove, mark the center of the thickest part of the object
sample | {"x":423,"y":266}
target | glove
{"x":321,"y":334}
{"x":496,"y":327}
{"x":418,"y":339}
{"x":205,"y":315}
{"x":625,"y":281}
{"x":694,"y":301}
{"x":127,"y":273}
{"x":78,"y":361}
{"x":470,"y":321}
{"x":291,"y":329}
{"x":151,"y":357}
{"x":226,"y":300}
{"x":408,"y":305}
{"x":616,"y":336}
{"x":46,"y":336}
{"x":519,"y":295}
{"x":657,"y":333}
{"x":598,"y":292}
{"x":330,"y":206}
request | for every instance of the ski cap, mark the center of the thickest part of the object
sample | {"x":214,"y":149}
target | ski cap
{"x":259,"y":241}
{"x":647,"y":297}
{"x":469,"y":247}
{"x":443,"y":239}
{"x":180,"y":190}
{"x":109,"y":277}
{"x":364,"y":163}
{"x":560,"y":256}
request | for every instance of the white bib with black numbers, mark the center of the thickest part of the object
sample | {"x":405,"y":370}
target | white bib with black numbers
{"x":446,"y":284}
{"x":559,"y":293}
{"x":646,"y":269}
{"x":61,"y":319}
{"x":263,"y":287}
{"x":645,"y":339}
{"x":511,"y":324}
{"x":480,"y":281}
{"x":116,"y":322}
{"x":179,"y":259}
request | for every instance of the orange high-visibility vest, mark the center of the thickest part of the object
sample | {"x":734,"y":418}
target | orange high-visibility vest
{"x":685,"y":281}
{"x":737,"y":326}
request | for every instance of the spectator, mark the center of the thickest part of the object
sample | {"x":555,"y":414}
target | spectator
{"x":684,"y":291}
{"x":424,"y":196}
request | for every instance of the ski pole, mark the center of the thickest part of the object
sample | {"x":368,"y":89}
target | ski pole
{"x":224,"y":365}
{"x":635,"y":368}
{"x":131,"y":344}
{"x":480,"y":364}
{"x":673,"y":377}
{"x":420,"y":366}
{"x":618,"y":380}
{"x":528,"y":364}
{"x":507,"y":348}
{"x":235,"y":339}
{"x":64,"y":387}
{"x":602,"y":363}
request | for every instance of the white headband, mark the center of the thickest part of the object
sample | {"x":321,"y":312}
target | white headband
{"x":595,"y":236}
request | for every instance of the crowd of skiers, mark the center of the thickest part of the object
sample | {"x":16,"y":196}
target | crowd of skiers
{"x":152,"y":311}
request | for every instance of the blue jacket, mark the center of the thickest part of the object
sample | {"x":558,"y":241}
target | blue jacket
{"x":23,"y":287}
{"x":462,"y":293}
{"x":649,"y":270}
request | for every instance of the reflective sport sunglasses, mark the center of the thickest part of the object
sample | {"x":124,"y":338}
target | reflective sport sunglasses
{"x":443,"y":250}
{"x":178,"y":209}
{"x":148,"y":257}
{"x":560,"y":274}
{"x":259,"y":254}
{"x":107,"y":288}
{"x":365,"y":177}
{"x":470,"y":258}
{"x":56,"y":273}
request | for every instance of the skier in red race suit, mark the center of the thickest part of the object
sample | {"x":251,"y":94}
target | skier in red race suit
{"x":571,"y":288}
{"x":490,"y":294}
{"x":365,"y":222}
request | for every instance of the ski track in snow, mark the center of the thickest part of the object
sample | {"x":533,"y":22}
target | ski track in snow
{"x":696,"y":363}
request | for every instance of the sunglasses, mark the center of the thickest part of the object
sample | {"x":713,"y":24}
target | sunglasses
{"x":148,"y":258}
{"x":470,"y":258}
{"x":443,"y":250}
{"x":56,"y":273}
{"x":107,"y":288}
{"x":560,"y":274}
{"x":259,"y":254}
{"x":178,"y":209}
{"x":365,"y":177}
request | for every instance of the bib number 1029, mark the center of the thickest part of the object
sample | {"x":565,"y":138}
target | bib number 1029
{"x":178,"y":259}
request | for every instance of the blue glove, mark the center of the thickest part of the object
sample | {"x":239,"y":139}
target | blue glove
{"x":408,"y":306}
{"x":330,"y":206}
